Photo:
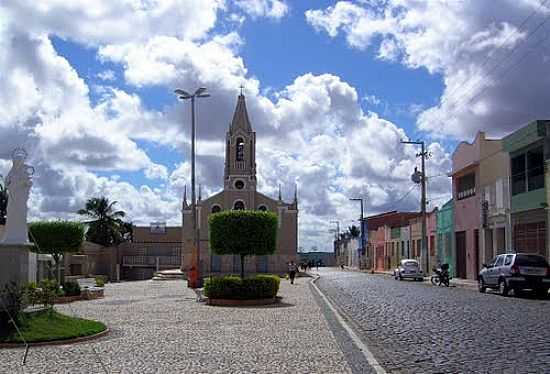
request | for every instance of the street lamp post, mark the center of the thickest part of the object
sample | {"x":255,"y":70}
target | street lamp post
{"x":362,"y":220}
{"x":337,"y":238}
{"x":195,"y":280}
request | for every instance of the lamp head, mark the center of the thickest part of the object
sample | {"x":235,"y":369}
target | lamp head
{"x":182,"y":94}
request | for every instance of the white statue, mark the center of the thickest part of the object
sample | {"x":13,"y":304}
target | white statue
{"x":18,"y":183}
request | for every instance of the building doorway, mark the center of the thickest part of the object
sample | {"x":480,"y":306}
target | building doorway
{"x":460,"y":238}
{"x":476,"y":254}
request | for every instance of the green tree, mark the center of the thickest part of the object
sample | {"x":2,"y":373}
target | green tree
{"x":106,"y":226}
{"x":3,"y":204}
{"x":243,"y":233}
{"x":354,"y":231}
{"x":56,"y":238}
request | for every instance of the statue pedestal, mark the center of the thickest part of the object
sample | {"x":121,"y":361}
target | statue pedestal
{"x":17,"y":264}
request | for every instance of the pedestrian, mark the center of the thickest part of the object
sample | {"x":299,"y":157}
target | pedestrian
{"x":292,"y":268}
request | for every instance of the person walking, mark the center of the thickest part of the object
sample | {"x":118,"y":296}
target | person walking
{"x":292,"y":268}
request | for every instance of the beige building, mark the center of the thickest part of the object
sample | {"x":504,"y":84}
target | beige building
{"x":239,"y":192}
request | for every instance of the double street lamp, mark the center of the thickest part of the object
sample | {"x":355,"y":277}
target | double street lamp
{"x":194,"y":278}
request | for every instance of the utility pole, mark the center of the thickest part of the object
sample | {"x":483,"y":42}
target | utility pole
{"x":362,"y":219}
{"x":420,"y":177}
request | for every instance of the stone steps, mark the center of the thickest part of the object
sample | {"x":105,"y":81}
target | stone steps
{"x":175,"y":274}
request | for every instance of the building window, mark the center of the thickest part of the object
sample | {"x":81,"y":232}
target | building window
{"x":239,"y":205}
{"x":528,"y":171}
{"x":216,"y":209}
{"x":466,"y":186}
{"x":240,"y":149}
{"x":239,"y":184}
{"x":263,"y":208}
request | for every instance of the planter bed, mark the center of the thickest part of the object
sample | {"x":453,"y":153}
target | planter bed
{"x":67,"y":299}
{"x":51,"y":327}
{"x":236,"y":302}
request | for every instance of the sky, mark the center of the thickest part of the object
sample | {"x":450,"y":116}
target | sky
{"x":331,"y":87}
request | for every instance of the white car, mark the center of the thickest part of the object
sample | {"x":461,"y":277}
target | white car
{"x":408,"y":269}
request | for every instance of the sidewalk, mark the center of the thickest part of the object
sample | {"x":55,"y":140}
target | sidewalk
{"x":158,"y":327}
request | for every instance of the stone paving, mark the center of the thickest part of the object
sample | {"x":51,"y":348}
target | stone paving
{"x":158,"y":327}
{"x":413,"y":327}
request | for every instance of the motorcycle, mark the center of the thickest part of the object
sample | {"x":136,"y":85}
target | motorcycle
{"x":441,"y":276}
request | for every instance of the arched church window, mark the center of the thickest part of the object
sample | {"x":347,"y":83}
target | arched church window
{"x":216,"y":209}
{"x":240,"y":149}
{"x":263,"y":208}
{"x":239,"y":205}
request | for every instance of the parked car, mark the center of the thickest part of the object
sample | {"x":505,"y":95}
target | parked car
{"x":517,"y":272}
{"x":408,"y":269}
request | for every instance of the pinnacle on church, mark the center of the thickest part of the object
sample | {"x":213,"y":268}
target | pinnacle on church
{"x":240,"y":117}
{"x":185,"y":205}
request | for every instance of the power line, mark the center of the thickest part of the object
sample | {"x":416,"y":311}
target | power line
{"x":523,"y":23}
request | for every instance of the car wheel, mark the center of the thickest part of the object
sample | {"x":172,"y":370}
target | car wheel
{"x":541,"y":292}
{"x":481,"y":285}
{"x":503,"y":287}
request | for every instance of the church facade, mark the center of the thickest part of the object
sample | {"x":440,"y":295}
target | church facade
{"x":239,"y":193}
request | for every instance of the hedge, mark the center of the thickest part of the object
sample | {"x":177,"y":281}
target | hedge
{"x":233,"y":287}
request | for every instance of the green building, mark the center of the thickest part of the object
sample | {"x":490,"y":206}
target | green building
{"x":445,"y":232}
{"x":529,"y":150}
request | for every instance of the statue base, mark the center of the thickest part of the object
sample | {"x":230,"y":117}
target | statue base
{"x":17,"y":264}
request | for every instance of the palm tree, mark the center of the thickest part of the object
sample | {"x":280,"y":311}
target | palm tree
{"x":3,"y":204}
{"x":106,"y":226}
{"x":354,"y":231}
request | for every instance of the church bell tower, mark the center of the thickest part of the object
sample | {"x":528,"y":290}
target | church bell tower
{"x":240,"y":151}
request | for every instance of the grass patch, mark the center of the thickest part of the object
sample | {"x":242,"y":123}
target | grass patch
{"x":45,"y":326}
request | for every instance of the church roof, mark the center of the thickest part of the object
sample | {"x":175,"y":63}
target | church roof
{"x":240,"y":117}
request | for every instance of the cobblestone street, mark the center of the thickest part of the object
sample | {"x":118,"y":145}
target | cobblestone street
{"x":158,"y":327}
{"x":413,"y":327}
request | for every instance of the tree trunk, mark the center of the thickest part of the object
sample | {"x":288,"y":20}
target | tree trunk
{"x":57,"y":258}
{"x":242,"y":266}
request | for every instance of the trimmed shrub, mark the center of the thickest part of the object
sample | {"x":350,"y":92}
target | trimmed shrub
{"x":100,"y":281}
{"x":236,"y":288}
{"x":71,"y":288}
{"x":243,"y":233}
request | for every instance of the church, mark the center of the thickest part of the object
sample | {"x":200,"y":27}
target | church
{"x":239,"y":193}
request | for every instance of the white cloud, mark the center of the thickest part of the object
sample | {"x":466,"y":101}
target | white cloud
{"x":275,"y":9}
{"x":107,"y":75}
{"x":106,"y":21}
{"x":494,"y":78}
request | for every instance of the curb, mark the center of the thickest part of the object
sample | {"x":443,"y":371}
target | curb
{"x":361,"y":346}
{"x":79,"y":339}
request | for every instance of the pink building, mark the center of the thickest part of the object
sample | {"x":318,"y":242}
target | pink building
{"x":466,"y":174}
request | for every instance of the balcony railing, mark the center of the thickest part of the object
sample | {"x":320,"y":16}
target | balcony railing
{"x":151,"y":261}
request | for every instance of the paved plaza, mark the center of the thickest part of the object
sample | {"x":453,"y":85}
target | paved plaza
{"x":413,"y":327}
{"x":158,"y":327}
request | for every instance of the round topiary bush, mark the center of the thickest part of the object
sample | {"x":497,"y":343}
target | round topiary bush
{"x":71,"y":288}
{"x":235,"y":288}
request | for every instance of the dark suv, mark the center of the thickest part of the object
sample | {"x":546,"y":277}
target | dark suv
{"x":517,"y":272}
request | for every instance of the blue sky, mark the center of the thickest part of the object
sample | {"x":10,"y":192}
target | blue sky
{"x":331,"y":86}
